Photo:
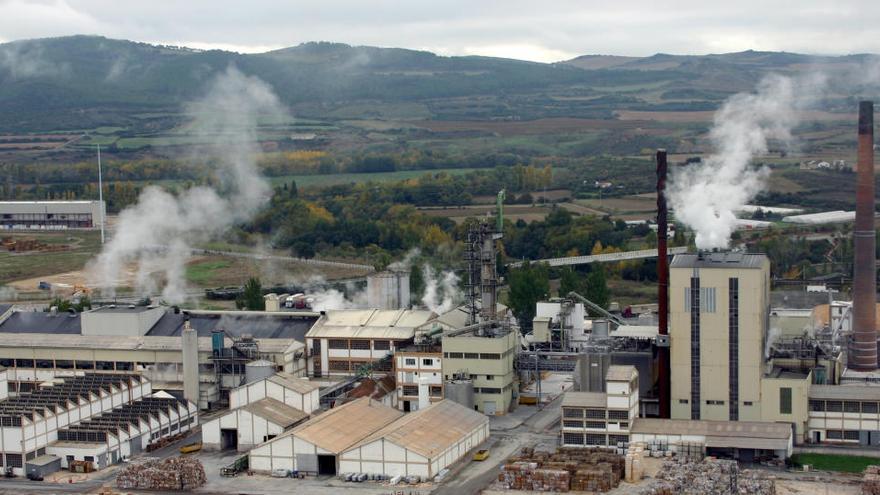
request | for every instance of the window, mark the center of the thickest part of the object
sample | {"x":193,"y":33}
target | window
{"x":618,"y":414}
{"x":85,"y":365}
{"x":381,"y":345}
{"x":747,"y":403}
{"x":851,"y":407}
{"x":834,"y":406}
{"x":617,"y":440}
{"x":682,"y":401}
{"x":409,"y":361}
{"x":596,"y":424}
{"x":573,"y":438}
{"x":851,"y":434}
{"x":572,"y":424}
{"x":715,"y":402}
{"x":337,"y":344}
{"x":817,"y":405}
{"x":707,"y":299}
{"x":594,"y":439}
{"x":490,"y":355}
{"x":834,"y":435}
{"x":785,"y":400}
{"x":411,"y":390}
{"x":24,"y":363}
{"x":595,"y":413}
{"x":455,"y":355}
{"x":490,"y":377}
{"x":336,"y":365}
{"x":89,"y":458}
{"x":869,"y":407}
{"x":13,"y":460}
{"x":427,"y":362}
{"x":490,"y":390}
{"x":624,"y":424}
{"x":362,"y":345}
{"x":471,"y":355}
{"x":572,"y":413}
{"x":436,"y":391}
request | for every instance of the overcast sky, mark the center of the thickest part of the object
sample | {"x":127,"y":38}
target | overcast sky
{"x":533,"y":30}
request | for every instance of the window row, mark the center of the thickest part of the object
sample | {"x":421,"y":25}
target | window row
{"x":849,"y":406}
{"x":359,"y":344}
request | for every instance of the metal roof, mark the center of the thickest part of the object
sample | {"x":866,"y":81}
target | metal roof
{"x":276,"y":411}
{"x":584,"y":399}
{"x":720,"y":259}
{"x":432,"y":430}
{"x":129,"y":343}
{"x":844,"y":392}
{"x":288,"y":381}
{"x":122,"y":309}
{"x":398,"y":324}
{"x":621,"y":373}
{"x":260,"y":326}
{"x":750,"y":434}
{"x":339,"y":428}
{"x":41,"y":322}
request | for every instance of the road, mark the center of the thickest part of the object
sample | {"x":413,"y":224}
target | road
{"x":540,"y":428}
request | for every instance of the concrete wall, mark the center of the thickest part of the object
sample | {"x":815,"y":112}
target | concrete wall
{"x":253,"y":392}
{"x":500,"y":370}
{"x":281,"y":453}
{"x":770,"y":403}
{"x":409,"y":368}
{"x":251,"y":430}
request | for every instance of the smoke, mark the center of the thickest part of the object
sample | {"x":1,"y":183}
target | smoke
{"x":158,"y":232}
{"x":773,"y":334}
{"x":706,"y":196}
{"x":8,"y":293}
{"x":26,"y":60}
{"x":407,"y":262}
{"x":441,"y":292}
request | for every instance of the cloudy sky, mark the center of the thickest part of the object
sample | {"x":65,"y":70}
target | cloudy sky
{"x":533,"y":30}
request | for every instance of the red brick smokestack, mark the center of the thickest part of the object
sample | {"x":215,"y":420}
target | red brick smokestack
{"x":662,"y":285}
{"x":863,"y":346}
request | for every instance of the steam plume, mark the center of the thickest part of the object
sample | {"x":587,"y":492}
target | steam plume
{"x":157,"y":233}
{"x":706,"y":196}
{"x":441,"y":292}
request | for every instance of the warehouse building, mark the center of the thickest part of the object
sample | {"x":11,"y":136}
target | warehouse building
{"x":260,"y":411}
{"x":51,"y":215}
{"x":421,"y":443}
{"x":315,"y":446}
{"x":602,"y":418}
{"x":37,"y":345}
{"x":844,"y":414}
{"x":745,"y":441}
{"x":92,"y":417}
{"x":342,"y":342}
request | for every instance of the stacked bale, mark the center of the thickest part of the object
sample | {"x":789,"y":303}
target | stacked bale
{"x":176,"y":473}
{"x":564,"y":470}
{"x":871,"y":481}
{"x":721,"y":477}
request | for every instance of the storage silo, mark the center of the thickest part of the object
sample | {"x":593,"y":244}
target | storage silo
{"x":388,"y":290}
{"x":258,"y":370}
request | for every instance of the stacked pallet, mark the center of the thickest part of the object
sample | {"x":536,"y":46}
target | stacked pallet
{"x":721,"y":477}
{"x":176,"y":473}
{"x":871,"y":481}
{"x":562,"y":471}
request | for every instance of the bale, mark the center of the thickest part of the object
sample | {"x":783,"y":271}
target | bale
{"x":176,"y":473}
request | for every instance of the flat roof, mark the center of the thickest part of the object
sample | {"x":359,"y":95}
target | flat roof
{"x":397,"y":324}
{"x":636,"y":331}
{"x":431,"y":430}
{"x":720,"y":259}
{"x":276,"y":411}
{"x":584,"y":399}
{"x":41,"y":322}
{"x":341,"y":427}
{"x":739,"y":434}
{"x":621,"y":373}
{"x":844,"y":392}
{"x":43,"y":460}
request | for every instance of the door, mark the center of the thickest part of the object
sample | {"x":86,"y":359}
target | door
{"x":406,"y":406}
{"x":228,"y":439}
{"x":818,"y":437}
{"x":489,"y":408}
{"x":327,"y":465}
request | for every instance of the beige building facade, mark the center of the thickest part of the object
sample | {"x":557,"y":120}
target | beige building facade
{"x":488,"y":362}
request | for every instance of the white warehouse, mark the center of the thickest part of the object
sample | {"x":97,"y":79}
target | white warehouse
{"x":260,"y":411}
{"x":421,"y":443}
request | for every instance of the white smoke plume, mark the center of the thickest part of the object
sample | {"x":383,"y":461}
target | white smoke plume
{"x":441,"y":291}
{"x":706,"y":196}
{"x":157,"y":233}
{"x":8,"y":293}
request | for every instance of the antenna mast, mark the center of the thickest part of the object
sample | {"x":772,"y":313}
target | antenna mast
{"x":101,"y":194}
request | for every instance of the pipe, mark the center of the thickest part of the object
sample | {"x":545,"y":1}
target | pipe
{"x":662,"y":285}
{"x":863,"y":346}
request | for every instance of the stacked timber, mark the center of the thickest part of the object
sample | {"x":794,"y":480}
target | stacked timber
{"x":176,"y":473}
{"x":562,"y":471}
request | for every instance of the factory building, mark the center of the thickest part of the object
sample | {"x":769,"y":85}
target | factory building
{"x":419,"y":373}
{"x":745,"y":441}
{"x":51,"y":215}
{"x":719,"y":306}
{"x":261,"y":410}
{"x":315,"y":446}
{"x":602,"y":418}
{"x":96,"y":418}
{"x":844,"y":414}
{"x":485,"y":357}
{"x":421,"y":443}
{"x":35,"y":346}
{"x":344,"y":341}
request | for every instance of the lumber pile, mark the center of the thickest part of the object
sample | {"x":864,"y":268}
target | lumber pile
{"x":565,"y":470}
{"x":871,"y":481}
{"x":720,"y":477}
{"x":175,"y":473}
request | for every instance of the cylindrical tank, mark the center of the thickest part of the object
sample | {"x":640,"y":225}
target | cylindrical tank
{"x":460,"y":391}
{"x":258,"y":370}
{"x":600,"y":328}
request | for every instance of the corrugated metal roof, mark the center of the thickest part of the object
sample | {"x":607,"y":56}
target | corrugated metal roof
{"x":369,"y":324}
{"x":126,"y":343}
{"x":717,"y":429}
{"x":276,"y":411}
{"x":721,"y":259}
{"x":621,"y":373}
{"x":291,"y":382}
{"x":40,"y":322}
{"x":584,"y":399}
{"x":844,"y":392}
{"x":431,"y":430}
{"x":339,"y":428}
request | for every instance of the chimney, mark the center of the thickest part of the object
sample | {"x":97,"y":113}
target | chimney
{"x":662,"y":287}
{"x":190,"y":348}
{"x":863,"y":346}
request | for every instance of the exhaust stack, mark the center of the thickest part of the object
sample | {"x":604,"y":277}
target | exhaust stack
{"x":662,"y":287}
{"x":863,"y":346}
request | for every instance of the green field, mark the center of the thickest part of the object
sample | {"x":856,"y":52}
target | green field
{"x":834,"y":462}
{"x":200,"y":272}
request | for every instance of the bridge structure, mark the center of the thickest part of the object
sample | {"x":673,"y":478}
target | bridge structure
{"x":602,"y":258}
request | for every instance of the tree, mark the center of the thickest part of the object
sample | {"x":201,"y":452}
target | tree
{"x":571,"y":281}
{"x":597,"y":287}
{"x":528,"y":285}
{"x":304,"y":249}
{"x":251,"y":298}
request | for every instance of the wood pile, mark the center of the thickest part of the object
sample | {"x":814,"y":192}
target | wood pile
{"x":719,"y":477}
{"x":562,"y":471}
{"x":871,"y":481}
{"x":175,"y":473}
{"x":22,"y":245}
